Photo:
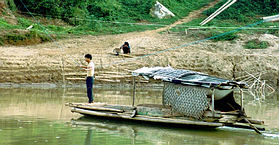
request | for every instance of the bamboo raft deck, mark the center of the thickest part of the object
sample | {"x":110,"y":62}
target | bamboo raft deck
{"x":155,"y":113}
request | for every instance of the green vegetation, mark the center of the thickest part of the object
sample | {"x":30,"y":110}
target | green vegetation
{"x":25,"y":37}
{"x":242,"y":13}
{"x":256,"y":44}
{"x":17,"y":35}
{"x":11,"y":5}
{"x":109,"y":10}
{"x":94,"y":17}
{"x":246,"y":11}
{"x":226,"y":37}
{"x":1,"y":41}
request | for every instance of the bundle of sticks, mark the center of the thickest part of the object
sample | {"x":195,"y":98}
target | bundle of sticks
{"x":258,"y":88}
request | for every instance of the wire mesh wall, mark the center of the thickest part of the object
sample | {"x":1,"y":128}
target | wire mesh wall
{"x":190,"y":101}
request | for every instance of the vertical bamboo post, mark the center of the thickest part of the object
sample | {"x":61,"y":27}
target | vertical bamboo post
{"x":62,"y":106}
{"x":241,"y":101}
{"x":101,"y":62}
{"x":163,"y":94}
{"x":212,"y":101}
{"x":134,"y":90}
{"x":63,"y":71}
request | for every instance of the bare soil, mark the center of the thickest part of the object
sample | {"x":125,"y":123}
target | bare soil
{"x":48,"y":62}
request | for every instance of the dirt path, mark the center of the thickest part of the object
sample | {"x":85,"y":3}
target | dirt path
{"x":190,"y":17}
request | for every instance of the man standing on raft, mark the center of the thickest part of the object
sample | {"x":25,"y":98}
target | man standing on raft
{"x":90,"y":77}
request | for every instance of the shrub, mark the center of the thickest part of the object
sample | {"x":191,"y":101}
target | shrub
{"x":1,"y":41}
{"x":24,"y":37}
{"x":24,"y":22}
{"x":14,"y":38}
{"x":256,"y":44}
{"x":222,"y":36}
{"x":11,"y":5}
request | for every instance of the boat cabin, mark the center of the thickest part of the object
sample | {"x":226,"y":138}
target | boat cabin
{"x":193,"y":94}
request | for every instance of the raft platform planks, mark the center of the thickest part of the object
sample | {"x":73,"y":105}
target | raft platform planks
{"x":147,"y":118}
{"x":98,"y":107}
{"x":124,"y":112}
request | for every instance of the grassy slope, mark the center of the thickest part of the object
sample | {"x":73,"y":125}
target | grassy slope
{"x":92,"y":26}
{"x":240,"y":14}
{"x":237,"y":15}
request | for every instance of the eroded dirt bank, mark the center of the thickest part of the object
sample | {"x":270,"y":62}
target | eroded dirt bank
{"x":43,"y":62}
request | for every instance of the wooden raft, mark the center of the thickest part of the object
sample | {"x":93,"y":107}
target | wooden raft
{"x":145,"y":114}
{"x":146,"y":118}
{"x":126,"y":111}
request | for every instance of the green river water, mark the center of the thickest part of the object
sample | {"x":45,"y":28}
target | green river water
{"x":34,"y":116}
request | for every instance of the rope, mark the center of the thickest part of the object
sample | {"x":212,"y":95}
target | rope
{"x":168,"y":49}
{"x":191,"y":43}
{"x":112,"y":22}
{"x":45,"y":30}
{"x":153,"y":24}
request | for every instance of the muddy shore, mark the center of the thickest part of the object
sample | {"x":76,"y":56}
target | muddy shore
{"x":50,"y":62}
{"x":57,"y":62}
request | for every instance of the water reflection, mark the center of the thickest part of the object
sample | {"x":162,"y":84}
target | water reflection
{"x":164,"y":135}
{"x":29,"y":116}
{"x":88,"y":139}
{"x":50,"y":103}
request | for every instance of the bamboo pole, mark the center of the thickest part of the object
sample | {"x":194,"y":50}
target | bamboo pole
{"x":212,"y":102}
{"x":220,"y":11}
{"x":63,"y":71}
{"x":252,"y":126}
{"x":215,"y":12}
{"x":241,"y":92}
{"x":241,"y":125}
{"x":246,"y":76}
{"x":271,"y":18}
{"x":264,"y":89}
{"x":134,"y":90}
{"x":258,"y":86}
{"x":99,"y":108}
{"x":260,"y":80}
{"x":163,"y":94}
{"x":259,"y":122}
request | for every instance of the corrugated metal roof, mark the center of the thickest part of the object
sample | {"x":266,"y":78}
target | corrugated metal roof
{"x":186,"y":77}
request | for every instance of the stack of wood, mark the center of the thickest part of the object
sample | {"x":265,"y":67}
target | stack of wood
{"x":258,"y":88}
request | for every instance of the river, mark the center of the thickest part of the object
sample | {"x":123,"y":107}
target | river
{"x":30,"y":116}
